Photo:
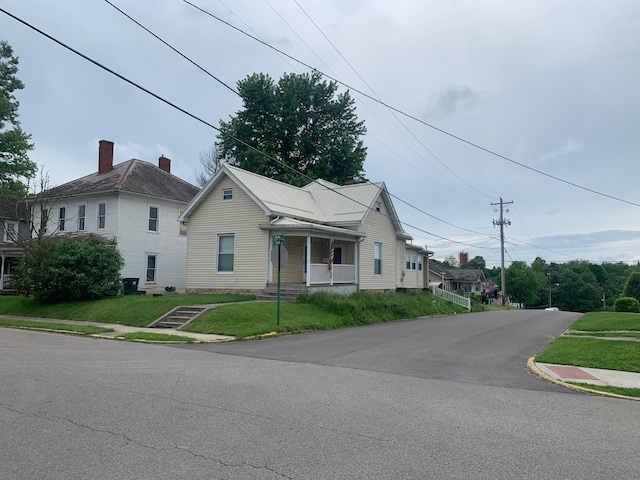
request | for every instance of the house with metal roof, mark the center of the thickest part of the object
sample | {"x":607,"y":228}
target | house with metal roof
{"x":336,"y":237}
{"x":134,"y":202}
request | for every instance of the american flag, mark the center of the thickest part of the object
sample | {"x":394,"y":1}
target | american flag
{"x":330,"y":265}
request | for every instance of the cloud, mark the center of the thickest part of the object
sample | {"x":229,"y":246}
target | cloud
{"x":451,"y":99}
{"x":569,"y":146}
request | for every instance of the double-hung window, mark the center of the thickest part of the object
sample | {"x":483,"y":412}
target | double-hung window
{"x":412,"y":261}
{"x":62,"y":217}
{"x":82,"y":212}
{"x":153,"y":219}
{"x":10,"y":230}
{"x":226,"y":252}
{"x":377,"y":258}
{"x":44,"y":220}
{"x":102,"y":215}
{"x":151,"y":268}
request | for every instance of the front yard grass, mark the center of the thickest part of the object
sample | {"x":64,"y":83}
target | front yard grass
{"x":319,"y":311}
{"x":62,"y":327}
{"x":603,"y":321}
{"x":132,"y":310}
{"x":593,"y":353}
{"x":629,"y":392}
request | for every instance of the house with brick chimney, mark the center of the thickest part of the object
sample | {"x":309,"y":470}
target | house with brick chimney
{"x":134,"y":202}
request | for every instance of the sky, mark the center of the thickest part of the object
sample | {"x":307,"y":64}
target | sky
{"x":549,"y":89}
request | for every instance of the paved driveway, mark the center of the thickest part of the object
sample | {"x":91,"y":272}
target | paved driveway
{"x":410,"y":400}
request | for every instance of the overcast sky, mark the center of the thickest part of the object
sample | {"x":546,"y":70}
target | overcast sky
{"x":552,"y":85}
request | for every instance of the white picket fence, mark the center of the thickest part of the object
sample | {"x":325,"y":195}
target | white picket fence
{"x":453,"y":297}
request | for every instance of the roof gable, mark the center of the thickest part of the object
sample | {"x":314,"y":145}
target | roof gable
{"x":320,"y":201}
{"x":132,"y":176}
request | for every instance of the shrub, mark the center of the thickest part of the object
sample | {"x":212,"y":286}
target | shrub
{"x":626,"y":304}
{"x":60,"y":269}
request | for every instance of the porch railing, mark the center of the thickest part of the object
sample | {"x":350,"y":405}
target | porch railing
{"x":341,"y":273}
{"x":453,"y":297}
{"x":6,"y":280}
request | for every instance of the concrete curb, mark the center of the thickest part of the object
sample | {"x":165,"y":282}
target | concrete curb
{"x":533,"y":368}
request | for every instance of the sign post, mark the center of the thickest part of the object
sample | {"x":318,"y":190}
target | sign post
{"x":280,"y":257}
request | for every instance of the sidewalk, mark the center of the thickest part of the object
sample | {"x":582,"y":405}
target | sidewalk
{"x":593,"y":376}
{"x":120,"y":329}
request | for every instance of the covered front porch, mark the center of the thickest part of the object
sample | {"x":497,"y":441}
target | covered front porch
{"x":317,"y":255}
{"x":9,"y":258}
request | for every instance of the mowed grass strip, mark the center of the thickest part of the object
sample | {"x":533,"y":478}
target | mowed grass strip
{"x":80,"y":329}
{"x":628,"y":392}
{"x":319,"y":311}
{"x":156,"y":337}
{"x":594,"y":353}
{"x":132,"y":310}
{"x":602,"y":321}
{"x":606,"y":334}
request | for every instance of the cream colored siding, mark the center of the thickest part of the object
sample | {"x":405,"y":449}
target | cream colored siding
{"x":241,"y":217}
{"x":378,"y":228}
{"x":292,"y":272}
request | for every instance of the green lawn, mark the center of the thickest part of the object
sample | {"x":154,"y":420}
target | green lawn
{"x":629,"y":392}
{"x":80,"y":329}
{"x":133,"y":310}
{"x":594,"y":353}
{"x":319,"y":312}
{"x":601,"y":321}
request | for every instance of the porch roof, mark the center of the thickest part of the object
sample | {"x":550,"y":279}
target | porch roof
{"x":293,"y":226}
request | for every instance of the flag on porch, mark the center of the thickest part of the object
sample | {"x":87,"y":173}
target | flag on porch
{"x":330,"y":264}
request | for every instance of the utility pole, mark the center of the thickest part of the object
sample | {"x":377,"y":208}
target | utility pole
{"x":502,"y":222}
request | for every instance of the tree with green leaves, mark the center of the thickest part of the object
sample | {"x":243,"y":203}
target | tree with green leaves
{"x":15,"y":165}
{"x":476,"y":262}
{"x":522,"y":283}
{"x":632,"y":286}
{"x":302,"y":122}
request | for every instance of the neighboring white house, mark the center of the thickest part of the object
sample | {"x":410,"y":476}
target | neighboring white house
{"x":341,"y":238}
{"x":14,"y":225}
{"x":134,"y":202}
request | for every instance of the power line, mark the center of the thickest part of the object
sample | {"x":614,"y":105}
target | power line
{"x":263,"y":111}
{"x":380,"y":99}
{"x":195,"y":117}
{"x":444,"y":132}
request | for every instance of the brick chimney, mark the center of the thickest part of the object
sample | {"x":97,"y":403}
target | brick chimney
{"x":105,"y":156}
{"x":165,"y":164}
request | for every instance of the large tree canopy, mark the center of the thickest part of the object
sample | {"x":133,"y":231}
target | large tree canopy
{"x":302,"y":122}
{"x":15,"y":165}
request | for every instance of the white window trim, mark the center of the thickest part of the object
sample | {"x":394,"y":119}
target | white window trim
{"x":7,"y":237}
{"x":157,"y":219}
{"x":218,"y":272}
{"x":84,"y":218}
{"x":374,"y":258}
{"x":222,"y":195}
{"x":62,"y":221}
{"x":98,"y":215}
{"x":155,"y":268}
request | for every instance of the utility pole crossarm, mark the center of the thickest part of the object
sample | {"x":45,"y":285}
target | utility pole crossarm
{"x":502,"y":222}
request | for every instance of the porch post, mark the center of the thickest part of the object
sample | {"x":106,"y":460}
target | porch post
{"x":308,"y":260}
{"x":2,"y":274}
{"x":356,"y":262}
{"x":270,"y":268}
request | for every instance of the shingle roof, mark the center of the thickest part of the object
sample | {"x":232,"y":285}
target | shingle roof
{"x":10,"y":208}
{"x":133,"y":176}
{"x":320,"y":201}
{"x":439,"y":269}
{"x":466,"y":275}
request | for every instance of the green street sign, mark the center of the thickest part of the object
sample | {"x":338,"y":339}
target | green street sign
{"x":278,"y":239}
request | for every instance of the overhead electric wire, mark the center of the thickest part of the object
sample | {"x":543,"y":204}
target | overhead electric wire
{"x":412,"y":117}
{"x":265,"y":112}
{"x":195,"y":117}
{"x":380,"y":99}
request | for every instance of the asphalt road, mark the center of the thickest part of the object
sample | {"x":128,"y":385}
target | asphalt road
{"x":435,"y":398}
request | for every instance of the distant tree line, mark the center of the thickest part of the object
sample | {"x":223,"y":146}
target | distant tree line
{"x":578,"y":286}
